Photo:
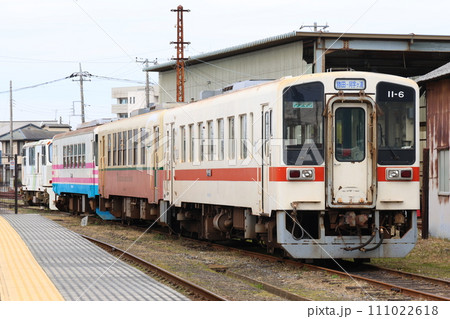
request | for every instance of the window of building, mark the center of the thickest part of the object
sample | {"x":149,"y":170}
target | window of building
{"x":444,"y":172}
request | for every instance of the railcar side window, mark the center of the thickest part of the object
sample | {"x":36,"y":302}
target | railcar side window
{"x":220,"y":129}
{"x":395,"y":124}
{"x":231,"y":139}
{"x":125,"y":147}
{"x":135,"y":146}
{"x":114,"y":149}
{"x":191,"y":143}
{"x":303,"y":124}
{"x":50,"y":153}
{"x":31,"y":156}
{"x":44,"y":155}
{"x":210,"y":140}
{"x":201,"y":141}
{"x":109,"y":150}
{"x":144,"y":140}
{"x":64,"y":156}
{"x":243,"y":132}
{"x":83,"y":154}
{"x":183,"y":143}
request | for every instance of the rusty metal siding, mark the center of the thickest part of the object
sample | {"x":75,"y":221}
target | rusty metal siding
{"x":438,"y":100}
{"x":438,"y":132}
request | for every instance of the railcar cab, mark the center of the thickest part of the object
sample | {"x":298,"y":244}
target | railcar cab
{"x":351,"y":136}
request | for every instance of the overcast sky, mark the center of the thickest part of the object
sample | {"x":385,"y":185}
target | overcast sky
{"x":46,"y":40}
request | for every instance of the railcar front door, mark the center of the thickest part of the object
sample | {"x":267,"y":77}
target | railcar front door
{"x":351,"y":160}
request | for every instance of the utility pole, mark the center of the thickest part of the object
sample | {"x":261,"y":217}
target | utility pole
{"x":11,"y":141}
{"x":82,"y":95}
{"x":10,"y":153}
{"x":81,"y":75}
{"x":147,"y":80}
{"x":180,"y":53}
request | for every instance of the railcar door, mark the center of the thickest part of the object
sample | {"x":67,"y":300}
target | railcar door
{"x":351,"y":177}
{"x":169,"y":162}
{"x":266,"y":128}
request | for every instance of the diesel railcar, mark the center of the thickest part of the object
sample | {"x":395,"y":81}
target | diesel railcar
{"x":320,"y":166}
{"x":75,"y":172}
{"x":37,"y":173}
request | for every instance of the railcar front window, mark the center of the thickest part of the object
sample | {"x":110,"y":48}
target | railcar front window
{"x":303,"y":124}
{"x":350,"y":134}
{"x":396,"y":124}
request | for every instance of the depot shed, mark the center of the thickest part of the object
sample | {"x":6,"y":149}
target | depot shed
{"x":437,"y":90}
{"x":297,"y":53}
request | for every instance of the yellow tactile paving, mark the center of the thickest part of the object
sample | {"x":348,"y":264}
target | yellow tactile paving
{"x":21,"y":276}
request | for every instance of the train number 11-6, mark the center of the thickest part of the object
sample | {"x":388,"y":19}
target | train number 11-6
{"x":393,"y":94}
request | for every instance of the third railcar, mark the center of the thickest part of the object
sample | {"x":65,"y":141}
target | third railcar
{"x":321,"y":166}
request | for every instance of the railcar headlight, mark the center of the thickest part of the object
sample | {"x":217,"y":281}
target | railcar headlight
{"x":298,"y":174}
{"x":399,"y":174}
{"x":308,"y":174}
{"x":393,"y":174}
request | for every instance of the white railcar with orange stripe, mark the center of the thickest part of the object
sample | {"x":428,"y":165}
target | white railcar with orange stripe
{"x":321,"y":165}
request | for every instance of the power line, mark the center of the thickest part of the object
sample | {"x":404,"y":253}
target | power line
{"x":36,"y":85}
{"x":73,"y":75}
{"x":117,"y":79}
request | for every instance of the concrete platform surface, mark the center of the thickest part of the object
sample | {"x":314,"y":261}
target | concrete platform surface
{"x":79,"y":269}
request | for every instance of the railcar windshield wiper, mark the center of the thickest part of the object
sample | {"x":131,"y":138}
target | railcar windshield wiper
{"x":396,"y":157}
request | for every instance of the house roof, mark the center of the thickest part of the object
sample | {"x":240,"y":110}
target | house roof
{"x":4,"y":125}
{"x":29,"y":132}
{"x":441,"y":72}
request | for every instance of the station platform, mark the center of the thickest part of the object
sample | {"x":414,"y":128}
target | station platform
{"x":42,"y":260}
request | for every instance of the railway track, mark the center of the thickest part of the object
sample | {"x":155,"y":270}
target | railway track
{"x":409,"y":284}
{"x":196,"y":292}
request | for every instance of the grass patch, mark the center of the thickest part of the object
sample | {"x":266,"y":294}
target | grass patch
{"x":430,"y":257}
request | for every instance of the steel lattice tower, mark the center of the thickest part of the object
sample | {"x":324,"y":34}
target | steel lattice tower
{"x":180,"y":53}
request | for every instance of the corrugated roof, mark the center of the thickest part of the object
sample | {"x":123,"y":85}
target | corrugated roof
{"x":288,"y":38}
{"x":441,"y":72}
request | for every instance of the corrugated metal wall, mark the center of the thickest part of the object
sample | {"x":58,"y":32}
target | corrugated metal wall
{"x":438,"y":128}
{"x":272,"y":63}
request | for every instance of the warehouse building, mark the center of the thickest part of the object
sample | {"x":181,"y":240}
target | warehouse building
{"x":298,"y":53}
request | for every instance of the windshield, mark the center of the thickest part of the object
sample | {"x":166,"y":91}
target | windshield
{"x":395,"y":124}
{"x":303,"y":124}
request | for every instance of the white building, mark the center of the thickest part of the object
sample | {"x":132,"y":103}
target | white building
{"x":130,"y":99}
